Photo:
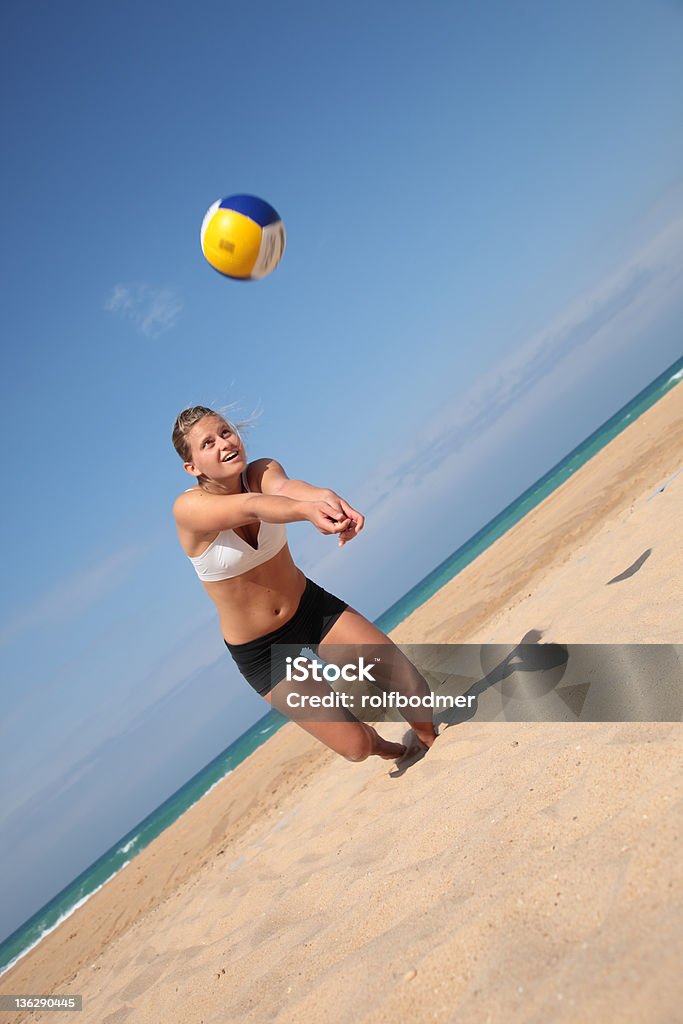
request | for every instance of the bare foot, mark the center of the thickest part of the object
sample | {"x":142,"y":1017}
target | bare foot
{"x":385,"y":749}
{"x":415,"y":748}
{"x":415,"y":751}
{"x":425,"y":732}
{"x":398,"y":750}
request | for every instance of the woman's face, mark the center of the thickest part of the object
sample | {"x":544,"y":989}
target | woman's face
{"x":217,"y":452}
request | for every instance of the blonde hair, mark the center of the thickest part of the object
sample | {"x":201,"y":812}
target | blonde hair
{"x":186,"y":420}
{"x":184,"y":424}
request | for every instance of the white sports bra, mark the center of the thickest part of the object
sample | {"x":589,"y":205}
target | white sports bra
{"x":228,"y":555}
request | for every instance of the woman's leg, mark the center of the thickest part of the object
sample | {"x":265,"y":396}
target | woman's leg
{"x":354,"y":740}
{"x":394,"y":671}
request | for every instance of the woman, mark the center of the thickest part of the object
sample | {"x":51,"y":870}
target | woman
{"x":232,"y":527}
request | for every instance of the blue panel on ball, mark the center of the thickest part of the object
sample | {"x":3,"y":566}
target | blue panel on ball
{"x":230,"y":277}
{"x":252,"y":207}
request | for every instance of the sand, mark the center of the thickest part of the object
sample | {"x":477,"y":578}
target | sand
{"x":520,"y":872}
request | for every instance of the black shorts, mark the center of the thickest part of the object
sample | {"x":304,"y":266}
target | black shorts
{"x":317,"y":613}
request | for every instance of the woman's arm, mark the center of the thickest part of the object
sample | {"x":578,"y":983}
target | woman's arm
{"x":274,"y":480}
{"x":204,"y":513}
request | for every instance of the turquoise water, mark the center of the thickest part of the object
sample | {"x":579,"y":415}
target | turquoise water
{"x":122,"y":852}
{"x":111,"y":862}
{"x":533,"y":496}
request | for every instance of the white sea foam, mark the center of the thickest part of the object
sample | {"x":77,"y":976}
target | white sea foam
{"x":213,"y":786}
{"x":59,"y":921}
{"x":123,"y":849}
{"x":129,"y":844}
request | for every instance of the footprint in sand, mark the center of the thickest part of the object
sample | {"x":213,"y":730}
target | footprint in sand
{"x":118,"y":1016}
{"x":139,"y":985}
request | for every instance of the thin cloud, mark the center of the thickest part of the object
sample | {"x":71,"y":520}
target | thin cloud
{"x":603,"y":320}
{"x":153,"y":311}
{"x":74,"y":594}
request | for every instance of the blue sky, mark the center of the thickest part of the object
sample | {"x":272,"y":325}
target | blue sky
{"x":484,"y":207}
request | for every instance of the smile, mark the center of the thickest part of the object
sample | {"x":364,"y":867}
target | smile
{"x":230,"y":456}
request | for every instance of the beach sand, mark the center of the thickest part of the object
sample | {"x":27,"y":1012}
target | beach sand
{"x":520,"y":872}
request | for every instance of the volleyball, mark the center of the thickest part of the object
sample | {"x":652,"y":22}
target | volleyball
{"x":242,"y":237}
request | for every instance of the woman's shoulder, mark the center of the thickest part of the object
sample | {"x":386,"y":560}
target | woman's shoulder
{"x":184,"y":497}
{"x":253,"y":473}
{"x":265,"y":475}
{"x":192,"y":503}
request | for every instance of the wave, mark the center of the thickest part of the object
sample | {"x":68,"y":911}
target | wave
{"x":60,"y":919}
{"x":129,"y":844}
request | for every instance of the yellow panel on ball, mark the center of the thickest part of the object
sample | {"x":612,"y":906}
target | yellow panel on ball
{"x":231,"y":243}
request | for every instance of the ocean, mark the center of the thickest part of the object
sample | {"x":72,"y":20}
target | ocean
{"x":121,"y":853}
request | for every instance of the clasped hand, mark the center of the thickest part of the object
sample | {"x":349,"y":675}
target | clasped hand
{"x":331,"y":514}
